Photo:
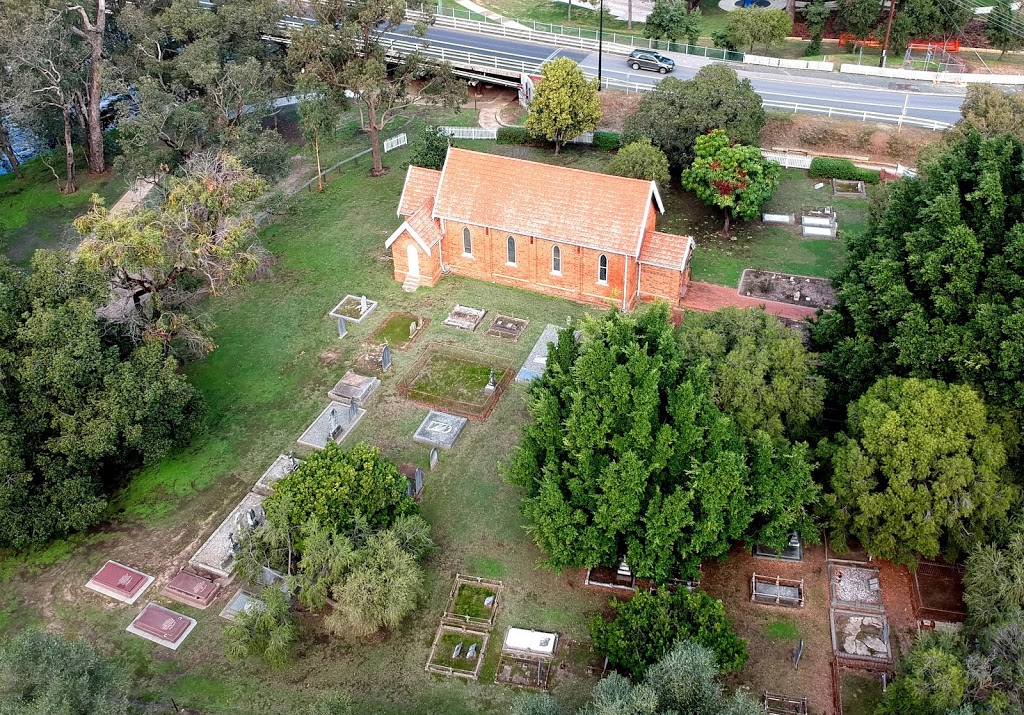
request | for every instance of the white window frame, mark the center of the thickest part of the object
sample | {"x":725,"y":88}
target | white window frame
{"x":556,"y":256}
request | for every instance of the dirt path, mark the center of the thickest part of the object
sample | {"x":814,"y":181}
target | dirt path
{"x":490,"y":108}
{"x":708,"y":297}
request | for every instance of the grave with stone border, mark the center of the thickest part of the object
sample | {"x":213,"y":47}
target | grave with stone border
{"x":217,"y":555}
{"x":243,"y":600}
{"x":465,"y":318}
{"x":353,"y":308}
{"x":120,"y":582}
{"x":284,"y":465}
{"x":507,"y":327}
{"x":353,"y":386}
{"x":537,"y":360}
{"x":191,"y":589}
{"x":440,"y":429}
{"x":334,"y":423}
{"x":860,"y":636}
{"x":444,"y":662}
{"x":162,"y":626}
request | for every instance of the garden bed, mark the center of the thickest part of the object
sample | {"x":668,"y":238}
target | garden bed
{"x":396,"y":330}
{"x":787,"y":288}
{"x":456,"y":380}
{"x":443,"y":658}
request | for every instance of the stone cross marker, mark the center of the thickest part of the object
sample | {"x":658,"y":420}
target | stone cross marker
{"x":433,"y":457}
{"x":412,"y":329}
{"x":385,"y":358}
{"x":342,"y":328}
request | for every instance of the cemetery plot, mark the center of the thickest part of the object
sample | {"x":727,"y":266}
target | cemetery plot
{"x":162,"y":626}
{"x":855,"y":587}
{"x":439,"y":429}
{"x":537,"y":360}
{"x":860,"y":637}
{"x":241,"y":601}
{"x":353,"y":308}
{"x":849,"y":189}
{"x":861,"y":690}
{"x":217,"y":555}
{"x":507,"y":327}
{"x":399,"y":330}
{"x":938,"y":593}
{"x":462,"y":382}
{"x":777,"y":591}
{"x":191,"y":589}
{"x":851,"y":552}
{"x":529,"y":673}
{"x":353,"y":387}
{"x":119,"y":582}
{"x":284,"y":465}
{"x":457,"y":652}
{"x":375,"y":359}
{"x":786,"y":288}
{"x":334,"y":423}
{"x":465,"y":318}
{"x":779,"y":704}
{"x":794,"y":550}
{"x":473,"y":601}
{"x":819,"y":223}
{"x":413,"y":479}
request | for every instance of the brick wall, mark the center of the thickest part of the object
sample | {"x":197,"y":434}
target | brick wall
{"x":430,"y":266}
{"x":660,"y":284}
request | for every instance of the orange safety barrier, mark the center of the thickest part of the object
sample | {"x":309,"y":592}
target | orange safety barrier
{"x":947,"y":45}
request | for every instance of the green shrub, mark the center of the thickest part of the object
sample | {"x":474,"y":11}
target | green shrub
{"x":843,"y":169}
{"x":607,"y":141}
{"x":514,"y":135}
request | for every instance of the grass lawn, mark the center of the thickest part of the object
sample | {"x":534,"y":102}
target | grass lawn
{"x":469,"y":601}
{"x":34,"y":214}
{"x":861,"y":693}
{"x":782,"y":630}
{"x":395,"y":332}
{"x":449,"y":377}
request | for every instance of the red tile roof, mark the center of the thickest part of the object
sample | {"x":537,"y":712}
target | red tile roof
{"x":423,"y":223}
{"x":583,"y":208}
{"x":666,"y":250}
{"x":420,"y":184}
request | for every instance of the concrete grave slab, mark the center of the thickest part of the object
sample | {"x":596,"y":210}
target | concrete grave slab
{"x":353,"y":386}
{"x":440,"y":429}
{"x":192,"y":590}
{"x":327,"y":427}
{"x":353,"y":308}
{"x":162,"y":626}
{"x":465,"y":318}
{"x":217,"y":556}
{"x":537,"y":360}
{"x":507,"y":327}
{"x":241,"y":601}
{"x":119,"y":582}
{"x":284,"y":465}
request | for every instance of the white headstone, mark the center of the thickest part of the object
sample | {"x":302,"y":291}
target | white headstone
{"x":433,"y":457}
{"x":342,"y":327}
{"x":362,"y":305}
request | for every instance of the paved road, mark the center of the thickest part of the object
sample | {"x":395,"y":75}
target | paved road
{"x":818,"y":90}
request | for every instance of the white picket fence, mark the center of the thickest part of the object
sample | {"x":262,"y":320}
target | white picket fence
{"x":395,"y":142}
{"x":470,"y":132}
{"x":788,"y":161}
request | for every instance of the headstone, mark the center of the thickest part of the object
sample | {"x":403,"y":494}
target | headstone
{"x":342,"y":328}
{"x":408,"y":488}
{"x":458,"y":651}
{"x":471,"y":654}
{"x":412,"y":329}
{"x":293,"y":461}
{"x":250,"y":517}
{"x":419,"y":479}
{"x":333,"y":422}
{"x":433,"y":457}
{"x":799,"y":652}
{"x":235,"y":546}
{"x":353,"y":411}
{"x":385,"y":358}
{"x":362,"y":305}
{"x":489,"y":601}
{"x":819,"y":185}
{"x":492,"y":383}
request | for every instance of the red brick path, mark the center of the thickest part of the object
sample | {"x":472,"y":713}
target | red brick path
{"x":707,"y":297}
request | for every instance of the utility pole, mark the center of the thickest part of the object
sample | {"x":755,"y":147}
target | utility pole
{"x":600,"y":44}
{"x":888,"y":29}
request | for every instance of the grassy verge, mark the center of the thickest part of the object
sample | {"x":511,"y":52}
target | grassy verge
{"x":35,"y":214}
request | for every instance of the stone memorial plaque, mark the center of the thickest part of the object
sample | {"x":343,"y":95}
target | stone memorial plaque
{"x":119,"y":582}
{"x":190,"y":589}
{"x":162,"y":626}
{"x":440,"y":429}
{"x":354,"y":387}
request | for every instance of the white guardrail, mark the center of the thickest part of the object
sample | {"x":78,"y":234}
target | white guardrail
{"x":955,"y":77}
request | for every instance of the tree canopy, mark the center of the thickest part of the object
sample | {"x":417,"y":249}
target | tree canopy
{"x":565,"y":104}
{"x":921,"y":471}
{"x":81,"y":404}
{"x":673,"y":20}
{"x":731,"y":176}
{"x":758,"y":26}
{"x":42,"y":672}
{"x":1004,"y":29}
{"x":640,"y":160}
{"x":628,"y":456}
{"x":994,"y":579}
{"x":934,"y":287}
{"x":647,"y":626}
{"x":679,"y":111}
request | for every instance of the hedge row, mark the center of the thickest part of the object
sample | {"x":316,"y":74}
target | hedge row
{"x":842,"y":169}
{"x":605,"y":141}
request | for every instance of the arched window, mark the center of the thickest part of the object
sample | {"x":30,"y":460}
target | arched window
{"x":467,"y":242}
{"x":556,"y":259}
{"x":511,"y":251}
{"x":602,"y":269}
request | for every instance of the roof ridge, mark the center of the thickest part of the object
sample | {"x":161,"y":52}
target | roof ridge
{"x":545,"y":164}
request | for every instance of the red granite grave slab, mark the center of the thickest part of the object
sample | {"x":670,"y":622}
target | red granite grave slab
{"x":162,"y":625}
{"x":119,"y":582}
{"x":191,"y":589}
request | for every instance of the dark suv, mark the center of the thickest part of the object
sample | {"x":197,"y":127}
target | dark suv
{"x":650,"y":60}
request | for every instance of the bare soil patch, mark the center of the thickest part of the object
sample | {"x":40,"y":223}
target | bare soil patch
{"x":770,"y":666}
{"x":938,"y":592}
{"x":785,"y":288}
{"x":874,"y":142}
{"x":615,"y":107}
